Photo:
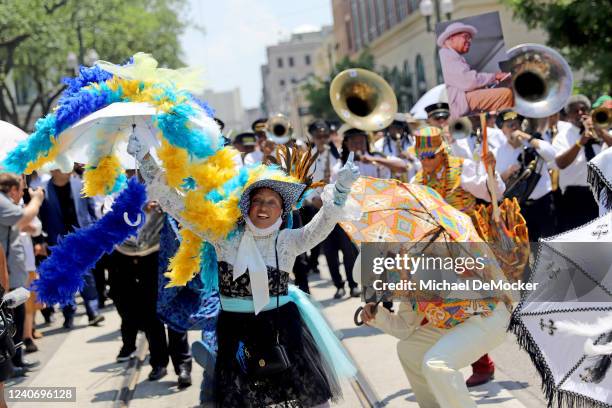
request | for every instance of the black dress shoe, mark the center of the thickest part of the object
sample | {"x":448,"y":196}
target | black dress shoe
{"x":355,"y":292}
{"x":126,"y":354}
{"x":28,"y":365}
{"x":96,"y":320}
{"x":340,"y":293}
{"x":19,"y":372}
{"x":157,"y":373}
{"x":30,"y":347}
{"x":184,"y":378}
{"x":68,"y":324}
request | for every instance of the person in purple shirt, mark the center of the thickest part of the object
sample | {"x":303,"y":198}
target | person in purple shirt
{"x":467,"y":89}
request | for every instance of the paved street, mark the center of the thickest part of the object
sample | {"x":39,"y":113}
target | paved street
{"x":84,"y":358}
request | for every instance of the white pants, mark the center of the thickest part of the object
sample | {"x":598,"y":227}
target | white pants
{"x":432,"y":357}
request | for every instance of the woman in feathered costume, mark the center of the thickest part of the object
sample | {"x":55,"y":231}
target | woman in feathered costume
{"x":260,"y":310}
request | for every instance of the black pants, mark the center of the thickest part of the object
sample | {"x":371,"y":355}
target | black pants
{"x":19,"y":319}
{"x":99,"y":274}
{"x":577,"y":207}
{"x":539,"y":215}
{"x":300,"y":267}
{"x":308,"y":211}
{"x":134,"y":291}
{"x":339,"y":241}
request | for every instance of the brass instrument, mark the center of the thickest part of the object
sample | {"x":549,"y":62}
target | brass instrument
{"x":554,"y":173}
{"x":363,"y":99}
{"x":278,"y":129}
{"x":541,"y":79}
{"x":602,"y":117}
{"x":460,"y":128}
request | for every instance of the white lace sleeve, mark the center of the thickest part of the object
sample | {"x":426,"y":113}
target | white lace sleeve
{"x":170,"y":200}
{"x":303,"y":239}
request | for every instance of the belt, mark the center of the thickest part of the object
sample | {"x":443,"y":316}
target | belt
{"x":245,"y":305}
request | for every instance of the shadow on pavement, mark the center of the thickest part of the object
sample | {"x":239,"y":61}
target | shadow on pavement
{"x":363,"y":331}
{"x":106,"y":337}
{"x":109,"y":368}
{"x":513,"y":385}
{"x":109,"y":395}
{"x":389,"y":398}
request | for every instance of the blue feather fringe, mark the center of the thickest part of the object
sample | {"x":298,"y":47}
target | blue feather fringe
{"x":175,"y":128}
{"x":61,"y":275}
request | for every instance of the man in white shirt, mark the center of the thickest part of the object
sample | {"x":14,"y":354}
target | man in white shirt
{"x":396,"y":143}
{"x":467,"y":89}
{"x":534,"y":192}
{"x":574,"y":148}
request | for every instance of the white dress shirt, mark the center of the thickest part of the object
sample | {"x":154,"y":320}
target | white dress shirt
{"x":474,"y":180}
{"x":390,"y":149}
{"x":255,"y":157}
{"x":365,"y":169}
{"x":576,"y":173}
{"x":507,"y":155}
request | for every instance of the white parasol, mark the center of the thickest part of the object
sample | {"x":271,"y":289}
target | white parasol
{"x":434,"y":95}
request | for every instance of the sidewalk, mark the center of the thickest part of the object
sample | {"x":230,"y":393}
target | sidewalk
{"x":84,"y":358}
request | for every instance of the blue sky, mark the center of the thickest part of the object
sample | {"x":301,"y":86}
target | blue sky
{"x":237,"y":33}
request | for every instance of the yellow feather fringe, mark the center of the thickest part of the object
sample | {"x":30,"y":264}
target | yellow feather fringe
{"x":175,"y":162}
{"x":101,"y":179}
{"x":42,"y":160}
{"x":186,"y":263}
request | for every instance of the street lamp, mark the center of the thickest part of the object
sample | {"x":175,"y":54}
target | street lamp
{"x":427,"y":8}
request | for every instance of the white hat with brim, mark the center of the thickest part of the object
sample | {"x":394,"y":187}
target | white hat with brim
{"x":455,"y":28}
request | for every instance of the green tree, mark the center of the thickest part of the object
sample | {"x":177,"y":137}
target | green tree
{"x":317,"y":91}
{"x":581,"y":30}
{"x":36,"y":37}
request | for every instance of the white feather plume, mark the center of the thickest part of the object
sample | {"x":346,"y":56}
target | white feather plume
{"x":601,"y":325}
{"x":597,"y":350}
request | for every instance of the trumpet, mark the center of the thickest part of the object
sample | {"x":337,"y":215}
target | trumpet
{"x":363,"y":99}
{"x":602,"y":117}
{"x":541,"y":79}
{"x":278,"y":129}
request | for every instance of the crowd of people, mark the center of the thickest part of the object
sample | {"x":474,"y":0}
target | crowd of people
{"x":541,"y":162}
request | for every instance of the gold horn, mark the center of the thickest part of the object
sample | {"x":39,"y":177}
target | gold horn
{"x":602,"y":117}
{"x":278,"y":128}
{"x":363,"y":99}
{"x":542,"y":80}
{"x":460,"y":128}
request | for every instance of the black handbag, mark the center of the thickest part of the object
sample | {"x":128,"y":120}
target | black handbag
{"x":265,"y":360}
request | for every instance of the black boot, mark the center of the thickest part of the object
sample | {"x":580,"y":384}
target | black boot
{"x":184,"y":375}
{"x":157,"y":373}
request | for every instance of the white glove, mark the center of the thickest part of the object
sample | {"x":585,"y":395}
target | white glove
{"x":347,"y":175}
{"x":135,"y":148}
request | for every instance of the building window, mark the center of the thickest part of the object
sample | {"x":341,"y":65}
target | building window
{"x":349,"y":35}
{"x":413,"y":6}
{"x":439,"y":76}
{"x":381,"y":17}
{"x":294,"y":81}
{"x":356,"y":24}
{"x":363,"y":14}
{"x":307,"y":59}
{"x":402,"y":9}
{"x":290,"y":61}
{"x":372,"y":26}
{"x":279,"y":62}
{"x":421,"y":81}
{"x":281,"y":82}
{"x":391,"y":17}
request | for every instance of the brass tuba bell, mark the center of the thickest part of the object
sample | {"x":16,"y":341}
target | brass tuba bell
{"x":460,"y":128}
{"x":542,"y":80}
{"x":363,"y":99}
{"x":278,"y":129}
